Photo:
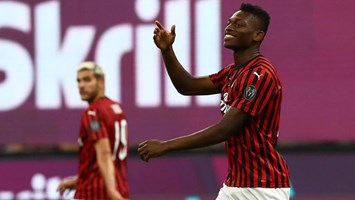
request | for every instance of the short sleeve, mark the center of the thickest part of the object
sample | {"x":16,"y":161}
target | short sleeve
{"x":219,"y":78}
{"x":252,"y":90}
{"x":95,"y":125}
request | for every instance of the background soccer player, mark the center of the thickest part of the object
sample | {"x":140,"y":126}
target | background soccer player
{"x":251,"y":95}
{"x":102,"y":140}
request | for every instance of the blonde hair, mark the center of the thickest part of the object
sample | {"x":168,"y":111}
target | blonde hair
{"x":89,"y":65}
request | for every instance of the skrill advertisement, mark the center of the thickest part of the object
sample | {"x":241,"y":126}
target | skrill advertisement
{"x":42,"y":42}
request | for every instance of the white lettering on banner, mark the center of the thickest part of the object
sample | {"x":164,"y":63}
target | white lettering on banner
{"x":113,"y":44}
{"x":174,"y":10}
{"x":208,"y":43}
{"x":15,"y":61}
{"x":52,"y":72}
{"x":56,"y":62}
{"x":42,"y":188}
{"x":148,"y":62}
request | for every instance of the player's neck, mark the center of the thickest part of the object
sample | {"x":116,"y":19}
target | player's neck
{"x":99,"y":96}
{"x":241,"y":57}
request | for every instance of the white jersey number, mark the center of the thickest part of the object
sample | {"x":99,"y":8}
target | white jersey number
{"x":120,"y":138}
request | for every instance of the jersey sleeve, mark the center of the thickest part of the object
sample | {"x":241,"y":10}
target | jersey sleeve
{"x":95,"y":125}
{"x":220,"y":77}
{"x":252,"y":90}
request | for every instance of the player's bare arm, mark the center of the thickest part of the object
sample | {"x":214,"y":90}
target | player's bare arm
{"x":68,"y":183}
{"x":183,"y":81}
{"x":104,"y":159}
{"x":232,"y":121}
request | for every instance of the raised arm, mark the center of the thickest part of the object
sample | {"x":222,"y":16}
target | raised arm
{"x":107,"y":169}
{"x":230,"y":124}
{"x":183,"y":81}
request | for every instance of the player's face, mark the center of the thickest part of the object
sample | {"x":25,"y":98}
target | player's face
{"x":88,"y":84}
{"x":241,"y":31}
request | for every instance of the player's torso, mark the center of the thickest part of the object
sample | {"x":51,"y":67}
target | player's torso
{"x":266,"y":122}
{"x":252,"y":148}
{"x":109,"y":115}
{"x":112,"y":120}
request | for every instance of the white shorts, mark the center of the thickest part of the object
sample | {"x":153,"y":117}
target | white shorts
{"x":237,"y":193}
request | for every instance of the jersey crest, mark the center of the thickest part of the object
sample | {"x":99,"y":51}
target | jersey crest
{"x":94,"y":125}
{"x":250,"y":92}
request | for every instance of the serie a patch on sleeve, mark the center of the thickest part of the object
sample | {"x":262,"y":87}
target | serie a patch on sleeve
{"x":250,"y":92}
{"x":94,"y":125}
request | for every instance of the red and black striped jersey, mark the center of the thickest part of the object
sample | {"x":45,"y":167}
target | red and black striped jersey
{"x":254,"y":88}
{"x":103,"y":118}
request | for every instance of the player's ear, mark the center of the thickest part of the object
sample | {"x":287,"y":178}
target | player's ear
{"x":259,"y":36}
{"x":102,"y":80}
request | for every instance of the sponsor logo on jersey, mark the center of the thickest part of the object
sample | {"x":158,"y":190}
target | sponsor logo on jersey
{"x":223,"y":103}
{"x":80,"y":142}
{"x":256,"y":74}
{"x":91,"y":112}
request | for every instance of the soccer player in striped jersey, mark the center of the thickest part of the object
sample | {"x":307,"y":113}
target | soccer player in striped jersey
{"x":102,"y":140}
{"x":251,"y":94}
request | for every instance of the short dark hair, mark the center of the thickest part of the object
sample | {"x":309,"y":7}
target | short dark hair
{"x":259,"y":13}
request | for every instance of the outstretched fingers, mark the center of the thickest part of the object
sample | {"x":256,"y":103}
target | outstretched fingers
{"x":159,"y":25}
{"x":61,"y":188}
{"x":143,"y":151}
{"x":156,"y":33}
{"x":172,"y":29}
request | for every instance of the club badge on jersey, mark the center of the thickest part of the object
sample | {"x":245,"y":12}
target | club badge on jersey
{"x":250,"y":92}
{"x":94,"y":125}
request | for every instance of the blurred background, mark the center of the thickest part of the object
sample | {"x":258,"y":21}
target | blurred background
{"x":311,"y":43}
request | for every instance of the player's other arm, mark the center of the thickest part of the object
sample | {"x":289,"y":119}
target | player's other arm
{"x":107,"y":169}
{"x":230,"y":124}
{"x":68,"y":183}
{"x":183,"y":81}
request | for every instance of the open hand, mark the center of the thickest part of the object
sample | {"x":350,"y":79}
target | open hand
{"x":163,"y":39}
{"x":68,"y":183}
{"x":152,"y":148}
